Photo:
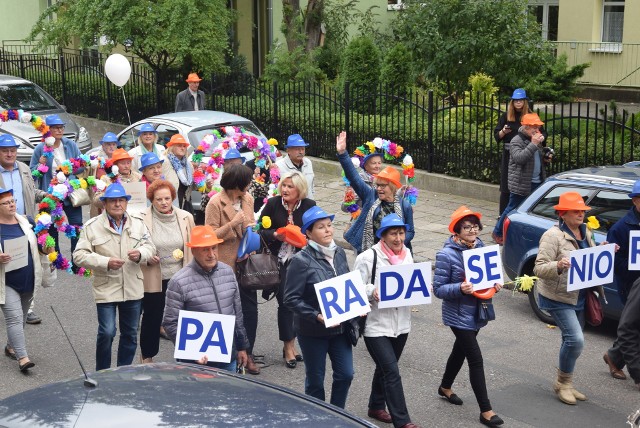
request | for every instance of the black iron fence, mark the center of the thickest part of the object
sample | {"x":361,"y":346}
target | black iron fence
{"x":442,"y":135}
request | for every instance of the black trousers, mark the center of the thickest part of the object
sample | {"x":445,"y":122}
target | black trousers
{"x":626,"y":348}
{"x":466,"y":347}
{"x":249,"y":301}
{"x":285,"y":316}
{"x":386,"y":386}
{"x":152,"y":312}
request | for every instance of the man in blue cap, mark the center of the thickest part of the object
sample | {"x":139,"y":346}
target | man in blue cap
{"x":295,"y":160}
{"x":113,"y":245}
{"x":626,"y":348}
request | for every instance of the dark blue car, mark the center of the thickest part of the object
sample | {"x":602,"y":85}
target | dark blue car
{"x":604,"y":189}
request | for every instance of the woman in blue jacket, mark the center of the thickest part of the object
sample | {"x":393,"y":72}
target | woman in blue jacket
{"x":319,"y":261}
{"x":460,"y":311}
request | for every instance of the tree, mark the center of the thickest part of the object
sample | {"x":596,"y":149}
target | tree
{"x":302,"y":29}
{"x":452,"y":39}
{"x":163,"y":33}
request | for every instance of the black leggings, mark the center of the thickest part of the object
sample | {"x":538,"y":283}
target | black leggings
{"x":466,"y":346}
{"x":152,"y":312}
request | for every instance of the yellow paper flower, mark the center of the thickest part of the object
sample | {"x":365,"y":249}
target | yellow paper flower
{"x":83,"y":183}
{"x":272,"y":142}
{"x":525,"y":282}
{"x":266,"y":222}
{"x":177,"y":254}
{"x":593,"y":223}
{"x":52,"y":256}
{"x":371,"y":147}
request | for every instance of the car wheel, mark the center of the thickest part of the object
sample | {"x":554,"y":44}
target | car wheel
{"x":533,"y":301}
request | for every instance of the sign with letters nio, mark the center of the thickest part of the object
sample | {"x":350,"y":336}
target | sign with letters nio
{"x":590,"y":267}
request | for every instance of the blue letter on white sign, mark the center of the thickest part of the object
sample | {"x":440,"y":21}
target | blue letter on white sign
{"x":184,"y":335}
{"x":216,"y":327}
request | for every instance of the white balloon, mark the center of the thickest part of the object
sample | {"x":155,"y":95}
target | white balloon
{"x":117,"y":69}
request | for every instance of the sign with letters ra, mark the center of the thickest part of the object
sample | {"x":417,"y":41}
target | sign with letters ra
{"x":201,"y":333}
{"x":404,"y":285}
{"x":590,"y":267}
{"x":483,"y":267}
{"x":634,"y":250}
{"x":342,"y":298}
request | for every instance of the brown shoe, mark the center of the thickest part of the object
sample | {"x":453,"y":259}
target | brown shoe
{"x":616,"y":373}
{"x":252,"y":367}
{"x":381,"y":415}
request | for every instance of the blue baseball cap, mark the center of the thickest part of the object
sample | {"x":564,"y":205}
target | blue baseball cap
{"x":519,"y":94}
{"x":636,"y":190}
{"x":109,"y":137}
{"x":389,"y":221}
{"x":312,"y":215}
{"x":295,"y":140}
{"x":3,"y":191}
{"x":53,"y":119}
{"x":115,"y":191}
{"x":147,"y":127}
{"x":149,"y":159}
{"x":250,"y":242}
{"x":7,"y":140}
{"x":233,"y":154}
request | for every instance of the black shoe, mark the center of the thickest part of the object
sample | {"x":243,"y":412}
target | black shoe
{"x":32,"y":318}
{"x":10,"y":354}
{"x":453,"y":398}
{"x":299,"y":358}
{"x":493,"y":422}
{"x":290,"y":363}
{"x":26,"y":366}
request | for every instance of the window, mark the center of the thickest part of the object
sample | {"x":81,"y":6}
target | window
{"x":608,"y":207}
{"x":395,"y":5}
{"x":546,"y":14}
{"x":612,"y":21}
{"x":544,"y":207}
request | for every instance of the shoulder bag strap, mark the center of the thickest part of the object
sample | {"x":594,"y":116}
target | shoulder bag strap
{"x":375,"y":264}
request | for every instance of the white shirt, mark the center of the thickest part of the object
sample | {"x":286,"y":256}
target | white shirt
{"x":195,"y":99}
{"x":58,"y":155}
{"x":285,"y":165}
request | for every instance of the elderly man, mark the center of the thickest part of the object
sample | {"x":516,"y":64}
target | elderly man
{"x":206,"y":285}
{"x":191,"y":99}
{"x":526,"y":167}
{"x":295,"y":161}
{"x":113,"y":245}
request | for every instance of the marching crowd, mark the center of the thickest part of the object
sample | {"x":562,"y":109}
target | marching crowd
{"x":147,"y":266}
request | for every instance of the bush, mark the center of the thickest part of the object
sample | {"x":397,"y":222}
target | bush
{"x":361,"y":67}
{"x":557,"y":82}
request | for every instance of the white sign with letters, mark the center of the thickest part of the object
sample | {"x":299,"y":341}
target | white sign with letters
{"x":342,"y":298}
{"x":483,"y":267}
{"x":590,"y":267}
{"x":18,"y":248}
{"x":201,"y":333}
{"x":634,"y":250}
{"x":138,"y":192}
{"x":404,"y":285}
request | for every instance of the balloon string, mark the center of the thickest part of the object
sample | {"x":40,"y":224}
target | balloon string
{"x":125,"y":104}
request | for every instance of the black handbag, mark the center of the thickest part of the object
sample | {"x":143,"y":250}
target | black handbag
{"x":486,"y":311}
{"x":259,"y":271}
{"x":355,"y":326}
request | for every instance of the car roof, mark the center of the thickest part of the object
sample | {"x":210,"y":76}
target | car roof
{"x":5,"y":78}
{"x":196,"y":119}
{"x":622,"y":175}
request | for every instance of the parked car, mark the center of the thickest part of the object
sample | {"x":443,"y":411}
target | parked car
{"x":169,"y":395}
{"x":20,"y":94}
{"x":604,"y":189}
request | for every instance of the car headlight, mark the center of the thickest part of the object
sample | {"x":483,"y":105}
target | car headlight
{"x":82,"y":134}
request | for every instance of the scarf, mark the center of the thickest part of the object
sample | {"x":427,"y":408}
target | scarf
{"x":462,"y":242}
{"x":368,"y":236}
{"x":394,"y":259}
{"x":183,"y":169}
{"x":328,"y":252}
{"x":287,"y":250}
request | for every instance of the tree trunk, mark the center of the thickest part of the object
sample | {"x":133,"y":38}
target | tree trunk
{"x":291,"y":23}
{"x":313,"y":23}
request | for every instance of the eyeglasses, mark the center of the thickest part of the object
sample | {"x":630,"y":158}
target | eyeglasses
{"x":9,"y":202}
{"x":469,"y":228}
{"x":381,"y":185}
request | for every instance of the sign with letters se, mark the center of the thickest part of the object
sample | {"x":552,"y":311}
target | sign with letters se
{"x":634,"y":250}
{"x":590,"y":267}
{"x":342,"y":298}
{"x":201,"y":333}
{"x":404,"y":285}
{"x":483,"y":267}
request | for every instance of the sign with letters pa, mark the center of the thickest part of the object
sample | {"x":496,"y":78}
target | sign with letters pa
{"x":404,"y":285}
{"x":590,"y":267}
{"x":201,"y":333}
{"x":342,"y":298}
{"x":634,"y":250}
{"x":483,"y":267}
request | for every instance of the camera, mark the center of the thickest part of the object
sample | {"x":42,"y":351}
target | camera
{"x":547,"y":153}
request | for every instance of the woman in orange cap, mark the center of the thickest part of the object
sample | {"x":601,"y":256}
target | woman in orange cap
{"x":566,"y":307}
{"x":377,"y":202}
{"x":178,"y":171}
{"x":460,"y":311}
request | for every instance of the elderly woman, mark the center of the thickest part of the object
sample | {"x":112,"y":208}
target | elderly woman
{"x":17,"y":286}
{"x":230,"y":212}
{"x":178,"y":171}
{"x":150,"y":167}
{"x":319,"y":261}
{"x":460,"y":311}
{"x":164,"y":221}
{"x":387,"y":329}
{"x":371,"y":166}
{"x":566,"y":307}
{"x":377,"y":202}
{"x":284,"y":209}
{"x":147,"y":143}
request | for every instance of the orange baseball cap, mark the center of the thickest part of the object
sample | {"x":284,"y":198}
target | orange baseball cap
{"x":203,"y":236}
{"x":531,"y":119}
{"x":391,"y":175}
{"x":177,"y":139}
{"x":193,"y":78}
{"x":459,"y":214}
{"x":571,"y":201}
{"x":120,"y":154}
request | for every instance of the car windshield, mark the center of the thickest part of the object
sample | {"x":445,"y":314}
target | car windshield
{"x":25,"y":96}
{"x":197,"y":135}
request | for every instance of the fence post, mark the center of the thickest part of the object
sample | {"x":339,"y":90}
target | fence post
{"x":106,"y":80}
{"x":22,"y":66}
{"x":159,"y":86}
{"x":347,"y":123}
{"x":63,"y":79}
{"x":276,"y":124}
{"x":213,"y":95}
{"x":430,"y":131}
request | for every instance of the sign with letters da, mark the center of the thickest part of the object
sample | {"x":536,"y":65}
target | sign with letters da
{"x":634,"y":250}
{"x":342,"y":298}
{"x":483,"y":267}
{"x":590,"y":267}
{"x":404,"y":285}
{"x":201,"y":333}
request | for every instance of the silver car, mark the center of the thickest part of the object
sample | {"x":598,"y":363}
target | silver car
{"x":20,"y":94}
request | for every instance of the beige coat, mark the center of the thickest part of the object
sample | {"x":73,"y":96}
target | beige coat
{"x":99,"y":242}
{"x":29,"y":191}
{"x":152,"y":273}
{"x":556,"y":244}
{"x":219,"y":214}
{"x":33,"y":245}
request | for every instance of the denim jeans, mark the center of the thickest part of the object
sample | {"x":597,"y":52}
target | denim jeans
{"x":386,"y":386}
{"x":315,"y":350}
{"x":128,"y":319}
{"x":15,"y":309}
{"x":570,"y":323}
{"x":514,"y":201}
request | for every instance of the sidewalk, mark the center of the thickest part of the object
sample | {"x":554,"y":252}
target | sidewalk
{"x":431,"y":215}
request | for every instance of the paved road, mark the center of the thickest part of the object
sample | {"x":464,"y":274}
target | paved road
{"x":520,"y":352}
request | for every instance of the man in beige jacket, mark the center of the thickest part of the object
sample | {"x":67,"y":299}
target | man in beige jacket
{"x":113,"y":245}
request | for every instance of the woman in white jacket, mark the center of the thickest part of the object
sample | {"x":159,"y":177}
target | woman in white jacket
{"x":386,"y":330}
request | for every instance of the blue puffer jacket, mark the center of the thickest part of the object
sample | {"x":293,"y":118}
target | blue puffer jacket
{"x":368,"y":195}
{"x":619,"y":234}
{"x":458,"y":310}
